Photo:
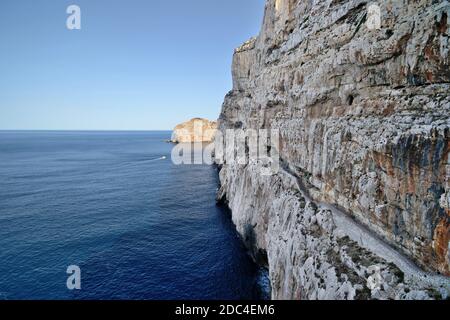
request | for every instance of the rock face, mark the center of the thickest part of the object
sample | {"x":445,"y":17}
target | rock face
{"x":195,"y":130}
{"x":364,"y":120}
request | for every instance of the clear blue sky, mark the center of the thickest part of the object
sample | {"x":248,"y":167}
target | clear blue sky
{"x":134,"y":65}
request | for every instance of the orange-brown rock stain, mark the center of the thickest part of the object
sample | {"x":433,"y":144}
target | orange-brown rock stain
{"x":441,"y":244}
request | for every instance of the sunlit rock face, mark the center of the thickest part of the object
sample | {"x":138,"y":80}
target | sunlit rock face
{"x":195,"y":130}
{"x":364,"y":120}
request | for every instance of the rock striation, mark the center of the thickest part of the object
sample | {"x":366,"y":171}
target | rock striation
{"x":361,"y":206}
{"x":194,"y":130}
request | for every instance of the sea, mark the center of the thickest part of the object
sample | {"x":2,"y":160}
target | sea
{"x":113,"y":204}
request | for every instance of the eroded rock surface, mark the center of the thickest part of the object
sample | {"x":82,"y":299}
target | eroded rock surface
{"x":364,"y":120}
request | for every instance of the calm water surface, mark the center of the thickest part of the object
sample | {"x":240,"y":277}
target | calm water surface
{"x":138,"y":226}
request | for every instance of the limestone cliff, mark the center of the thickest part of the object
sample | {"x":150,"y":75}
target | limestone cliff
{"x":194,"y":130}
{"x":364,"y":118}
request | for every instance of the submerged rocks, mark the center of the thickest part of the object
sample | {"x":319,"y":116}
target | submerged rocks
{"x":364,"y":122}
{"x":194,"y":130}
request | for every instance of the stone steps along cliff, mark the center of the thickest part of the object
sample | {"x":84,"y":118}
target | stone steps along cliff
{"x":364,"y":124}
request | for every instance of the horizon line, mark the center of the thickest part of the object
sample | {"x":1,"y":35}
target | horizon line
{"x":87,"y":130}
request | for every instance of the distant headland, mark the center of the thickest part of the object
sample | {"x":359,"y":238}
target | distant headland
{"x":195,"y":130}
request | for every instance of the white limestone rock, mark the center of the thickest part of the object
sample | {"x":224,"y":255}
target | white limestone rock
{"x":364,"y":120}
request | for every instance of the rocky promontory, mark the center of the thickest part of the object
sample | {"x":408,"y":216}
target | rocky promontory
{"x":195,"y":130}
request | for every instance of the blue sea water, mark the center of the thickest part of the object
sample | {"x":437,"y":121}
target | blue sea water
{"x":138,"y":226}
